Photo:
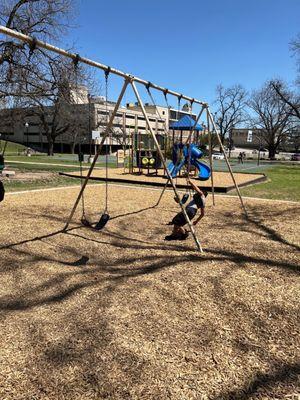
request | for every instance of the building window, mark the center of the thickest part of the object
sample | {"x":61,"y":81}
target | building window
{"x":32,"y":133}
{"x":37,"y":123}
{"x":130,"y":116}
{"x":7,"y":134}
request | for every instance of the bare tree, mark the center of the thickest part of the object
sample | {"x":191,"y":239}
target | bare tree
{"x":120,"y":135}
{"x":290,"y":96}
{"x":81,"y":125}
{"x":271,"y":117}
{"x":62,"y":105}
{"x":295,"y":48}
{"x":287,"y":96}
{"x":32,"y":75}
{"x":41,"y":19}
{"x":231,"y":103}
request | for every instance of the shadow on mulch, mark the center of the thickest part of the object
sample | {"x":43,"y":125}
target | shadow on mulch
{"x":87,"y":341}
{"x":288,"y":374}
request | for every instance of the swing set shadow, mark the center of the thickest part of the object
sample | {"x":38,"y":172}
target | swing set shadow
{"x":134,"y":212}
{"x":70,"y":231}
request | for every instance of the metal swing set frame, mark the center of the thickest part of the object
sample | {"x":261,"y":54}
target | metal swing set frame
{"x":131,"y":80}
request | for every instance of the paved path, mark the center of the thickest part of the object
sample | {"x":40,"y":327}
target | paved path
{"x":51,"y":164}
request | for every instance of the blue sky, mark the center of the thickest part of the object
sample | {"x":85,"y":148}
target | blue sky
{"x":190,"y":46}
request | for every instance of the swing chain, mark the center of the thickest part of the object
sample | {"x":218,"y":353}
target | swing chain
{"x":76,"y":60}
{"x":149,"y":84}
{"x":32,"y":46}
{"x":189,"y":145}
{"x":106,"y":73}
{"x":166,"y":91}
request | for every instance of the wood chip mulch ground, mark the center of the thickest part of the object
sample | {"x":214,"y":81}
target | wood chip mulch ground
{"x":122,"y":314}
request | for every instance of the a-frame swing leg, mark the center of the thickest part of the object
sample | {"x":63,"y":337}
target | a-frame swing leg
{"x":187,"y":141}
{"x":210,"y":157}
{"x":227,"y":161}
{"x":105,"y":135}
{"x":165,"y":165}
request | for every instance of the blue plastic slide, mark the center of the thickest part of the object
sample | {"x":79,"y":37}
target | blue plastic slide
{"x":174,"y":169}
{"x":204,"y":170}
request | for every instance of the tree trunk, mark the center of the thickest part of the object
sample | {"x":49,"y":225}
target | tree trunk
{"x":222,"y":137}
{"x":72,"y":147}
{"x":50,"y":147}
{"x":272,"y":152}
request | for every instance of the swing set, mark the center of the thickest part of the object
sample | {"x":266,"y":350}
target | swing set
{"x":132,"y":81}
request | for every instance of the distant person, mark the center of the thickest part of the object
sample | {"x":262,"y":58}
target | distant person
{"x":179,"y":221}
{"x":240,"y":157}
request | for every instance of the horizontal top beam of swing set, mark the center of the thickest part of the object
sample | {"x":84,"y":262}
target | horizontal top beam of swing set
{"x":76,"y":57}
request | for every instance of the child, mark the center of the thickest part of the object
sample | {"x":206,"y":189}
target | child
{"x":198,"y":203}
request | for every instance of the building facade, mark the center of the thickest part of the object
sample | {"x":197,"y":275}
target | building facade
{"x":90,"y":116}
{"x":253,"y":139}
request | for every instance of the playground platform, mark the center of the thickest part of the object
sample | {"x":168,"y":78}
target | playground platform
{"x":222,"y":180}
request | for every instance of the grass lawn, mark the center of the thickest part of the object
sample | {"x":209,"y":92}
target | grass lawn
{"x":283,"y":180}
{"x":39,"y":167}
{"x":41,"y":159}
{"x":283,"y":183}
{"x":15,"y":186}
{"x":48,"y":182}
{"x":12,"y":148}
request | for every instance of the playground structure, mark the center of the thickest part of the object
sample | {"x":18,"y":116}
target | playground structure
{"x":132,"y":81}
{"x":190,"y":156}
{"x":146,"y":156}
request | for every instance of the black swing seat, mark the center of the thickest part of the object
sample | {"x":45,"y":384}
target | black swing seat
{"x":2,"y":191}
{"x":102,"y":221}
{"x":185,"y":198}
{"x":85,"y":221}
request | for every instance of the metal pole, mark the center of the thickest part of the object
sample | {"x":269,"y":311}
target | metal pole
{"x":226,"y":159}
{"x":105,"y":135}
{"x":258,"y":157}
{"x":230,"y":142}
{"x":210,"y":159}
{"x":164,"y":163}
{"x":186,"y":142}
{"x":89,"y":123}
{"x":78,"y":58}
